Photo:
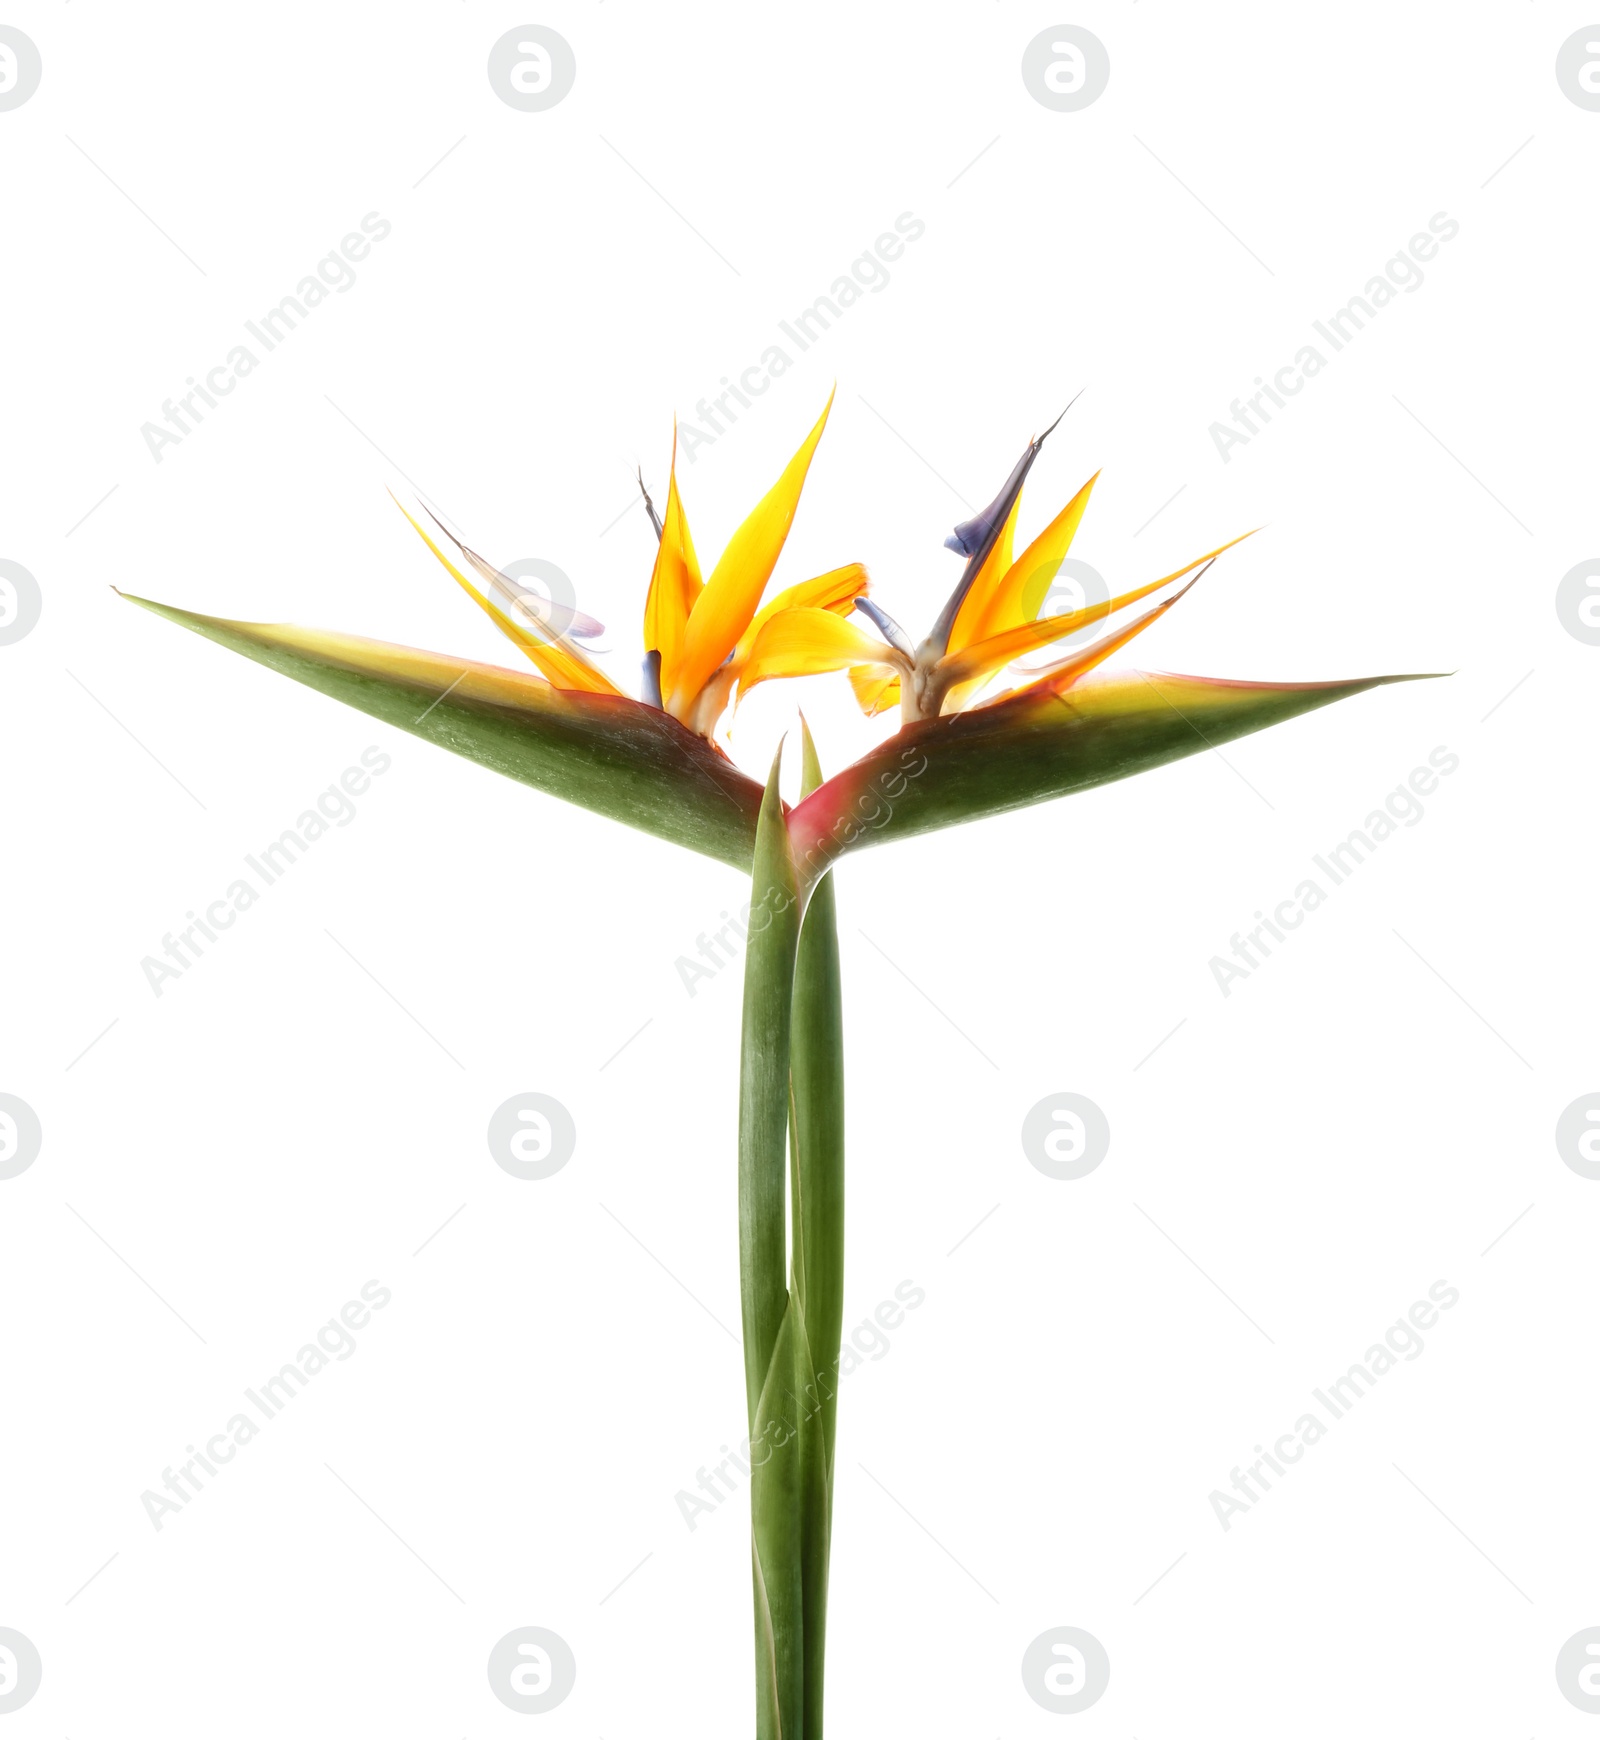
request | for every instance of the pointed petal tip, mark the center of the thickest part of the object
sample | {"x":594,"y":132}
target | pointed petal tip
{"x":1039,"y":440}
{"x":443,"y":527}
{"x":977,"y":538}
{"x":731,"y":598}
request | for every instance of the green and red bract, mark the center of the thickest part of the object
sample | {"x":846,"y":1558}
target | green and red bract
{"x":607,"y":753}
{"x":638,"y":765}
{"x":1036,"y":745}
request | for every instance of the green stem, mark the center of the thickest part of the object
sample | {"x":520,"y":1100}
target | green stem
{"x":770,"y":1318}
{"x":816,"y":1125}
{"x":791,"y":1080}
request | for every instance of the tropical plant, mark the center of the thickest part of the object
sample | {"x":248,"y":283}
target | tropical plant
{"x":567,"y":729}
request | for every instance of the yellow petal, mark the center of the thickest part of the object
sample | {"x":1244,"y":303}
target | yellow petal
{"x":724,"y":609}
{"x":876,"y":689}
{"x":1016,"y":595}
{"x":988,"y":656}
{"x":974,"y":612}
{"x":837,"y":590}
{"x":564,"y":665}
{"x":1000,"y":649}
{"x":805,"y":643}
{"x":675,"y":583}
{"x":1019,"y":598}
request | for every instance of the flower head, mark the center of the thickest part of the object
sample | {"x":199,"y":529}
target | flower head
{"x":988,"y":622}
{"x":698,"y":634}
{"x":570,"y":731}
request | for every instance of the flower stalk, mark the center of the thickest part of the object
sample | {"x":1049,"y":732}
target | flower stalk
{"x":768,"y":1310}
{"x":791,"y":1084}
{"x":816,"y":1136}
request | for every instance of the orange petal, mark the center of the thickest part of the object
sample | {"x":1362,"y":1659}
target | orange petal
{"x":1000,"y":649}
{"x":808,"y":642}
{"x":724,"y":610}
{"x":1023,"y":590}
{"x":837,"y":590}
{"x":834,"y":591}
{"x":675,"y":583}
{"x":876,"y":689}
{"x":564,"y":665}
{"x":1062,"y":676}
{"x":1016,"y":596}
{"x":990,"y":655}
{"x":971,"y":617}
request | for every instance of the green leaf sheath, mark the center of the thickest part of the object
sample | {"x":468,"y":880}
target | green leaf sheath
{"x":816,"y":1134}
{"x":612,"y":755}
{"x":772,"y":1322}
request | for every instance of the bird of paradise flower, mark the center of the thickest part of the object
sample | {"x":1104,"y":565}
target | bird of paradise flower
{"x":653,"y":763}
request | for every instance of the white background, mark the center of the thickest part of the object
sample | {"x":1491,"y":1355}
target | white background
{"x":1359,"y":1119}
